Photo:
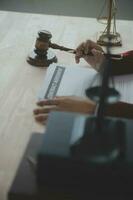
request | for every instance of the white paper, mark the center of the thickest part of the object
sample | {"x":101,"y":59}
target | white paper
{"x":76,"y":80}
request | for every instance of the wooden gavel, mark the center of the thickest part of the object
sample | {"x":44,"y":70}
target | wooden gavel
{"x":42,"y":56}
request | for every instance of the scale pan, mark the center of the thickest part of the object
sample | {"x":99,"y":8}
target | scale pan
{"x":94,"y":94}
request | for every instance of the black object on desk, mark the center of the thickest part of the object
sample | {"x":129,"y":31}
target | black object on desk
{"x":64,"y":167}
{"x":62,"y":175}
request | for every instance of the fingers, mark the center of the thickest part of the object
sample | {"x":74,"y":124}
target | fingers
{"x":97,"y":53}
{"x":48,"y":102}
{"x":93,"y":45}
{"x":63,"y":103}
{"x":46,"y":106}
{"x":42,"y":118}
{"x":79,"y":52}
{"x":44,"y":110}
{"x":85,"y":48}
{"x":51,"y":102}
{"x":88,"y":47}
{"x":41,"y":114}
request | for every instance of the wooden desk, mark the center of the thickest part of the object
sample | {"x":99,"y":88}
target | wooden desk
{"x":20,"y":82}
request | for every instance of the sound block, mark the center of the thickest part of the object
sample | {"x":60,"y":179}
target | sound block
{"x":42,"y":60}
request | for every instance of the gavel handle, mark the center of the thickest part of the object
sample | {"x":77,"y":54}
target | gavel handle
{"x":62,"y":48}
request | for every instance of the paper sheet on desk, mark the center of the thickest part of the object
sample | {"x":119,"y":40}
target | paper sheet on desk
{"x":73,"y":80}
{"x":67,"y":81}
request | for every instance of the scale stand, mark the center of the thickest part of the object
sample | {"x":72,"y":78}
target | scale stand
{"x":110,"y":30}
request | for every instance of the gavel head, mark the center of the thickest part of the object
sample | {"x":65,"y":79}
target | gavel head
{"x":43,"y":40}
{"x":41,"y":55}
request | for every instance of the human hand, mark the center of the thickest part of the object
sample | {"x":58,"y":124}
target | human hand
{"x":83,"y":50}
{"x":63,"y":103}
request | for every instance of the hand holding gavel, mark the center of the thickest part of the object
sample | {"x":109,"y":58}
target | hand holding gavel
{"x":42,"y":56}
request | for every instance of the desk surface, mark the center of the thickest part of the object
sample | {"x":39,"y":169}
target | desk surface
{"x":20,"y":82}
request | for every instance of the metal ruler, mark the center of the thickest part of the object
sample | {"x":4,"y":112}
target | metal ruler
{"x":55,"y":82}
